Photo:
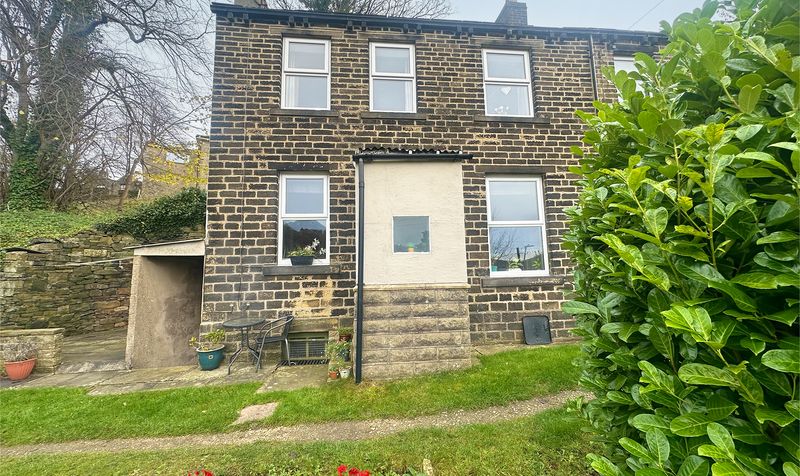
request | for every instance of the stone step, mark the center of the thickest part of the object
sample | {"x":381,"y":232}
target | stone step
{"x":91,"y":366}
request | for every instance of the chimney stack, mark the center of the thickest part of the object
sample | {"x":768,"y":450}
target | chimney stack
{"x":514,"y":13}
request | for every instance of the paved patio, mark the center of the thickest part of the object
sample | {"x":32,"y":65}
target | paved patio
{"x":97,"y":361}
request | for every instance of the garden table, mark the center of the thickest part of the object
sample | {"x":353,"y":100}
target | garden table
{"x":244,"y":324}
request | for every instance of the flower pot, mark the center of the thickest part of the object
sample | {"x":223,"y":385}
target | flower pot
{"x":345,"y":373}
{"x":210,"y":359}
{"x":333,"y":375}
{"x":301,"y":260}
{"x":20,"y":370}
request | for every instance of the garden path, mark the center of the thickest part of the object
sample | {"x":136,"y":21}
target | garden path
{"x":333,"y":431}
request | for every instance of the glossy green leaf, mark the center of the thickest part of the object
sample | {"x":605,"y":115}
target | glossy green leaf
{"x":658,"y":445}
{"x":702,"y":374}
{"x":577,"y":307}
{"x":690,"y":424}
{"x":693,"y":466}
{"x":781,"y":418}
{"x":782,"y":360}
{"x":721,"y":438}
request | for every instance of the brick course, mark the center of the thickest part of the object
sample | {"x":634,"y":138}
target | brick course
{"x":253,"y":141}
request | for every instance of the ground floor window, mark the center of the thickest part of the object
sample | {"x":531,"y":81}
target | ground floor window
{"x":411,"y":234}
{"x":304,"y":217}
{"x":517,"y":235}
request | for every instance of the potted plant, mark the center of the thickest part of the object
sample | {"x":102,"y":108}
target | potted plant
{"x":338,"y":351}
{"x":19,"y":360}
{"x":333,"y":370}
{"x":345,"y":334}
{"x":209,"y":349}
{"x":344,"y":372}
{"x":515,"y":265}
{"x":304,"y":255}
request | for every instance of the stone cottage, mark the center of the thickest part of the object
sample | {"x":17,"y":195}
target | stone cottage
{"x":432,"y":155}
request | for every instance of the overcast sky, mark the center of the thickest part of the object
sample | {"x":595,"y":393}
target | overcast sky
{"x":620,"y":14}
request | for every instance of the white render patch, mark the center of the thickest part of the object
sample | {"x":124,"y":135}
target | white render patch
{"x":256,"y":412}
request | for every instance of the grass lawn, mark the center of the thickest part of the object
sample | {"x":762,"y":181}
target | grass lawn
{"x":16,"y":228}
{"x":548,"y":444}
{"x":52,"y":415}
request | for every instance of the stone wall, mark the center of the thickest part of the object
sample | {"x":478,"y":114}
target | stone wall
{"x":48,"y":344}
{"x":254,"y":141}
{"x":413,"y":329}
{"x":43,"y":288}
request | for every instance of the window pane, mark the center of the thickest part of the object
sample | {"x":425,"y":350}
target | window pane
{"x":513,"y":200}
{"x":391,"y":95}
{"x":516,"y":247}
{"x":411,"y":235}
{"x":306,"y":92}
{"x":506,"y":66}
{"x":305,"y":195}
{"x":307,"y":56}
{"x":507,"y":100}
{"x":392,"y":60}
{"x":298,"y":234}
{"x":622,"y":63}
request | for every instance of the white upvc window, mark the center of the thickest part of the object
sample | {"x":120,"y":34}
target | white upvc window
{"x":517,"y":234}
{"x":304,"y":218}
{"x":507,"y":83}
{"x":624,"y":63}
{"x":392,"y":78}
{"x":306,"y":74}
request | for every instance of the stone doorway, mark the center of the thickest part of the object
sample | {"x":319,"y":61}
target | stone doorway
{"x":416,"y":316}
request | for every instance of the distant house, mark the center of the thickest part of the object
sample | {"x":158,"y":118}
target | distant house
{"x":433,"y":154}
{"x":168,"y":169}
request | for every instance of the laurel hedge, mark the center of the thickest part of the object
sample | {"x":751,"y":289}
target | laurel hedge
{"x":688,"y":261}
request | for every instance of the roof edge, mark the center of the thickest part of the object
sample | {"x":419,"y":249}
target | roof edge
{"x":458,"y":26}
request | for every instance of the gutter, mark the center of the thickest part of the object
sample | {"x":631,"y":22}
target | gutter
{"x":360,"y":273}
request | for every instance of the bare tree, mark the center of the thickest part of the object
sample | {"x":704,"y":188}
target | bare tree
{"x":392,"y":8}
{"x":66,"y":66}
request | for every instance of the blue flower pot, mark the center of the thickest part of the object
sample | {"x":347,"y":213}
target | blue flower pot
{"x":210,"y":359}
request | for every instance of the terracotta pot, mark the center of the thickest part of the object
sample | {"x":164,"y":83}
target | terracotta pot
{"x":333,"y":374}
{"x":19,"y":370}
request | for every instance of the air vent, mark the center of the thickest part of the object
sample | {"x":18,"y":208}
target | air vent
{"x":307,"y":345}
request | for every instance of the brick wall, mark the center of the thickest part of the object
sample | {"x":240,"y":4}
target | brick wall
{"x":252,"y":141}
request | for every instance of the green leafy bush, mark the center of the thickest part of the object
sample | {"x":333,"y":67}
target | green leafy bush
{"x":686,"y":244}
{"x":165,"y":218}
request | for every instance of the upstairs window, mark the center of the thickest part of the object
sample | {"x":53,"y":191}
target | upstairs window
{"x":304,"y":218}
{"x":507,"y":83}
{"x":306,"y":74}
{"x":392,"y":78}
{"x":624,"y":63}
{"x":517,"y":238}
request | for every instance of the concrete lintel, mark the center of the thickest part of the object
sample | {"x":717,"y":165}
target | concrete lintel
{"x":178,"y":248}
{"x":394,"y":287}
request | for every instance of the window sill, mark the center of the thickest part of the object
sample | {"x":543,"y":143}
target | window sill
{"x":303,"y":112}
{"x":414,"y":116}
{"x":521,"y":281}
{"x":518,"y":119}
{"x":300,"y":270}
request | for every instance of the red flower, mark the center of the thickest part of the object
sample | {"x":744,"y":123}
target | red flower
{"x":364,"y":473}
{"x":353,"y":471}
{"x":341,"y":469}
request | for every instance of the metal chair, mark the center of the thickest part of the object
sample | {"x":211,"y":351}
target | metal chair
{"x":274,"y":331}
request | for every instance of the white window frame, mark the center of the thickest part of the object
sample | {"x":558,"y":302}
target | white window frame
{"x":523,"y":223}
{"x":287,"y":71}
{"x":430,"y":241}
{"x":507,"y":81}
{"x":282,"y":215}
{"x":412,"y":76}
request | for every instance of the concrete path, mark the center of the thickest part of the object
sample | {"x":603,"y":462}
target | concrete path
{"x":334,"y":431}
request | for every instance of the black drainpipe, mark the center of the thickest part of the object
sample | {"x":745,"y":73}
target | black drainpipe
{"x":592,"y":67}
{"x":360,"y":276}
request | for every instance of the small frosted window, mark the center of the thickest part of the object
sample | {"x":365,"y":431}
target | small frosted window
{"x":411,"y":235}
